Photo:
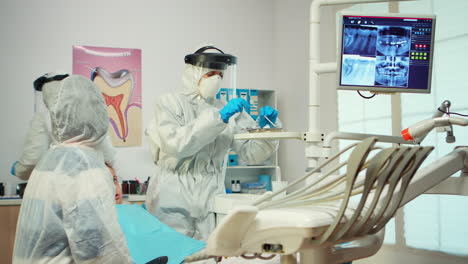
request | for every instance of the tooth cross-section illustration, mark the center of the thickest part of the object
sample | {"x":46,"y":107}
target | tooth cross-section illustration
{"x":117,"y":89}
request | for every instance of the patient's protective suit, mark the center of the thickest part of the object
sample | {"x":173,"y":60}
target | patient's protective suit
{"x":68,"y":213}
{"x":189,"y":142}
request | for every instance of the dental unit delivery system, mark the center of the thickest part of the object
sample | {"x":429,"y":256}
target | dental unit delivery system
{"x":319,"y":218}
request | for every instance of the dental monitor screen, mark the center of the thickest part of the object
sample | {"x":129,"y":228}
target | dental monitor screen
{"x":386,"y":53}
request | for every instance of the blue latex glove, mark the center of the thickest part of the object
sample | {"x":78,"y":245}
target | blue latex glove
{"x":234,"y":106}
{"x":13,"y":168}
{"x":270,"y":113}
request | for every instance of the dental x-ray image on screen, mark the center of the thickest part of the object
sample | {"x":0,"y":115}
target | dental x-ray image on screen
{"x":358,"y":70}
{"x":393,"y":41}
{"x":360,"y":40}
{"x":386,"y":53}
{"x":392,"y":71}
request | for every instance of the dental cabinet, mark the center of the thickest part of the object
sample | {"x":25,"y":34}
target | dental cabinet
{"x":9,"y":211}
{"x":236,"y":171}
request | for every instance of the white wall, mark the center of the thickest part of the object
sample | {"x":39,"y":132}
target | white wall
{"x":37,"y":37}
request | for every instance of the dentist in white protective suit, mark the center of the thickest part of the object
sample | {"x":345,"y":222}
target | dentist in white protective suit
{"x":39,"y":136}
{"x":68,"y":212}
{"x":190,"y":135}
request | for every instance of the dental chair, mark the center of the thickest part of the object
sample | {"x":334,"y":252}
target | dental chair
{"x":332,"y":219}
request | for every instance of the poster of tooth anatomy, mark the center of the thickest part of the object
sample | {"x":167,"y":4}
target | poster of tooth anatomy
{"x":117,"y":72}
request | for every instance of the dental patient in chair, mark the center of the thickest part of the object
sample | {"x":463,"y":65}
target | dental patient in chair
{"x":152,"y":242}
{"x":149,"y":240}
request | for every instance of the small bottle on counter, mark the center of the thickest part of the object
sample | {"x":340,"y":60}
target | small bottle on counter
{"x":238,"y":186}
{"x":125,"y":187}
{"x":235,"y":186}
{"x":133,"y":187}
{"x":144,"y":186}
{"x":2,"y":189}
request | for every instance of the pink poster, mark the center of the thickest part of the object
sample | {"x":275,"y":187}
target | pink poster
{"x":117,"y":72}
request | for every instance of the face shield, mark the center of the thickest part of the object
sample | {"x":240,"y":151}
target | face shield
{"x":220,"y":71}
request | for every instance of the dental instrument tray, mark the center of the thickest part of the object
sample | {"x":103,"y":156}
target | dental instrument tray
{"x":263,"y":130}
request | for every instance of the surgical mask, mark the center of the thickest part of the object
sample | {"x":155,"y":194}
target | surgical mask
{"x":209,"y":86}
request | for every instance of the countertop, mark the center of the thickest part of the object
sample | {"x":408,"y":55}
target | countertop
{"x":15,"y":200}
{"x":134,"y":197}
{"x":10,"y":200}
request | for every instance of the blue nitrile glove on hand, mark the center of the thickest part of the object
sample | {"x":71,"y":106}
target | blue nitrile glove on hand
{"x":13,"y":168}
{"x":270,"y":113}
{"x":234,"y":106}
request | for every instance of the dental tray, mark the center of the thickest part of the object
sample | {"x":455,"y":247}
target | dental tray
{"x":263,"y":130}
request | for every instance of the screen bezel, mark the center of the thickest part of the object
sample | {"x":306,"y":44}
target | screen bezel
{"x":382,"y":89}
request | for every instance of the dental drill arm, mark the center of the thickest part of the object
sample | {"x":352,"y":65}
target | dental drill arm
{"x":423,"y":125}
{"x":439,"y":171}
{"x":420,"y":129}
{"x":445,"y":108}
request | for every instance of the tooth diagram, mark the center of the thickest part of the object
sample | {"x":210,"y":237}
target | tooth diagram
{"x":117,"y":88}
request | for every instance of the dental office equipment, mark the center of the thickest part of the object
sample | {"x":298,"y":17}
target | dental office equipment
{"x":418,"y":131}
{"x":385,"y":52}
{"x":314,"y":220}
{"x":421,"y":128}
{"x":311,"y":219}
{"x":269,"y":121}
{"x":267,"y":180}
{"x":253,"y":187}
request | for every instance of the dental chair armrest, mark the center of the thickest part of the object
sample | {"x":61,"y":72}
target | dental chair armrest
{"x":357,"y":249}
{"x":227,"y":237}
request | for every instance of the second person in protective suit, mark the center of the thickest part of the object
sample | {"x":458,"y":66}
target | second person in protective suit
{"x":190,"y":135}
{"x":68,"y":213}
{"x":39,"y":136}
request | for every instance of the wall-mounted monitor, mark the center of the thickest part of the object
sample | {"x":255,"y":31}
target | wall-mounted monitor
{"x":385,"y":53}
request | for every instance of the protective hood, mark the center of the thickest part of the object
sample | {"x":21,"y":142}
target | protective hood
{"x":77,"y":111}
{"x":50,"y":92}
{"x":202,"y":61}
{"x":50,"y":82}
{"x":190,"y":79}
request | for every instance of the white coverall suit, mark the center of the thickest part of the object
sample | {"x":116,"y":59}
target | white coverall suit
{"x":190,"y":141}
{"x":68,"y":210}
